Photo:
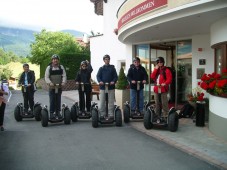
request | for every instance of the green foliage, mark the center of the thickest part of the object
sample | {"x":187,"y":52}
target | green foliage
{"x":48,"y":43}
{"x":7,"y":57}
{"x":5,"y":72}
{"x":71,"y":63}
{"x":122,"y":82}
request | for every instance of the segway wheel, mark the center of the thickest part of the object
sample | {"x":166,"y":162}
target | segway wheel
{"x":17,"y":114}
{"x":173,"y":122}
{"x":95,"y":117}
{"x":147,"y":119}
{"x":118,"y":117}
{"x":67,"y":117}
{"x":126,"y":112}
{"x":37,"y":112}
{"x":44,"y":117}
{"x":74,"y":113}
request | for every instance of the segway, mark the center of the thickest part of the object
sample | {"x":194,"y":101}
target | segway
{"x":75,"y":109}
{"x":134,"y":114}
{"x":105,"y":119}
{"x":64,"y":115}
{"x":151,"y":119}
{"x":19,"y":112}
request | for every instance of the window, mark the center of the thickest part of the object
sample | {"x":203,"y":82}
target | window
{"x":220,"y":57}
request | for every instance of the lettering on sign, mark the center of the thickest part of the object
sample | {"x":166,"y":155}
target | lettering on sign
{"x":140,"y":9}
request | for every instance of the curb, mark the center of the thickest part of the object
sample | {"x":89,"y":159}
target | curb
{"x":182,"y":147}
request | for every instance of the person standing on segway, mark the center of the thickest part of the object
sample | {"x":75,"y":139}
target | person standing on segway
{"x":55,"y":75}
{"x":27,"y":80}
{"x":84,"y":76}
{"x":135,"y":74}
{"x":107,"y":74}
{"x":162,"y":77}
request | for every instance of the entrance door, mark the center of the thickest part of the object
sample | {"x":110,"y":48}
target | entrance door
{"x":184,"y":70}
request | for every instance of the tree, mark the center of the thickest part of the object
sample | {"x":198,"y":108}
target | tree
{"x":7,"y":57}
{"x":48,"y":43}
{"x":122,"y":82}
{"x":5,"y":73}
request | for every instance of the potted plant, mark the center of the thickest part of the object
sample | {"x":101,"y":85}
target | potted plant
{"x":216,"y":85}
{"x":122,"y":89}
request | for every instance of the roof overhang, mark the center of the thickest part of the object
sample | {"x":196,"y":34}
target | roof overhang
{"x":173,"y":24}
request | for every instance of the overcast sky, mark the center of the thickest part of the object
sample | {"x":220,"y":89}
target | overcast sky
{"x":51,"y":14}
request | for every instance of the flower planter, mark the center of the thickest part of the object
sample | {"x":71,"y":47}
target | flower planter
{"x":200,"y":113}
{"x":121,"y":97}
{"x":218,"y":116}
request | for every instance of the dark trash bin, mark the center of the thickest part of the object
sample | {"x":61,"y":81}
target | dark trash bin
{"x":200,"y":113}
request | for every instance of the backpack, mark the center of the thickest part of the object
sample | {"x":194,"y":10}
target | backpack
{"x":186,"y":111}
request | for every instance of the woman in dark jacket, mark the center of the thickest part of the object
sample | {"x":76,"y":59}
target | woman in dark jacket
{"x":84,"y":76}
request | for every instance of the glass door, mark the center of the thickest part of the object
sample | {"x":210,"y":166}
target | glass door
{"x":184,"y":70}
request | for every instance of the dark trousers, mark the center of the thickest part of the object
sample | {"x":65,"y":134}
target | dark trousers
{"x":2,"y":112}
{"x":82,"y":100}
{"x":55,"y":100}
{"x":28,"y":99}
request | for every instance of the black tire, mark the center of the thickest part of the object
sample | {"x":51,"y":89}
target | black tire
{"x":95,"y":118}
{"x":173,"y":122}
{"x":74,"y":113}
{"x":17,"y":113}
{"x":118,"y":117}
{"x":126,"y":112}
{"x":147,"y":119}
{"x":37,"y":112}
{"x":44,"y":117}
{"x":67,"y":116}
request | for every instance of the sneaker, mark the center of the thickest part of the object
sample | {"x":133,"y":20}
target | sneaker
{"x":165,"y":119}
{"x":59,"y":114}
{"x":51,"y":115}
{"x":111,"y":117}
{"x":2,"y":128}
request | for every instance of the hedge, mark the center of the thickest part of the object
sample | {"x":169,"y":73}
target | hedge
{"x":71,"y":62}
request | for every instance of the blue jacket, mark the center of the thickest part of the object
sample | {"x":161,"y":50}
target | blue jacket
{"x":107,"y":74}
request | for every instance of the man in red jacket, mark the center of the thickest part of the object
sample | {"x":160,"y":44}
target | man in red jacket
{"x":162,"y":77}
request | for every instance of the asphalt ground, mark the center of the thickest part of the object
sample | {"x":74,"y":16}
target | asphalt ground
{"x":193,"y":140}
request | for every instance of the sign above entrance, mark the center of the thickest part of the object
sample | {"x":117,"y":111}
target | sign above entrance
{"x":140,"y":9}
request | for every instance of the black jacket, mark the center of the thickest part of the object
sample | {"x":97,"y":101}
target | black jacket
{"x":30,"y":78}
{"x":84,"y":75}
{"x":137,"y":74}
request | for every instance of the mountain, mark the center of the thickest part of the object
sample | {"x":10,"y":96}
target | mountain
{"x":74,"y":33}
{"x":18,"y":40}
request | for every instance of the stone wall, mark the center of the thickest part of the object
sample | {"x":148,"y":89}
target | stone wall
{"x":70,"y":85}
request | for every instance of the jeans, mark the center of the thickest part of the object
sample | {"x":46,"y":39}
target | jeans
{"x":102,"y":103}
{"x":82,"y":95}
{"x":163,"y":104}
{"x":55,"y":100}
{"x":133,"y":99}
{"x":28,"y":99}
{"x":2,"y":112}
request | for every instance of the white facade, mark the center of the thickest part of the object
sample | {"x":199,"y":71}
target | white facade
{"x":204,"y":22}
{"x":108,"y":43}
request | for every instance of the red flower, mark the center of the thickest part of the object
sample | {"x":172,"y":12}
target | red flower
{"x":215,"y":83}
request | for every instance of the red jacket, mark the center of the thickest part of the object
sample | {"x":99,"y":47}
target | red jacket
{"x":164,"y":78}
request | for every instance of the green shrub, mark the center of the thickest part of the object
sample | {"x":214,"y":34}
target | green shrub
{"x":122,"y":82}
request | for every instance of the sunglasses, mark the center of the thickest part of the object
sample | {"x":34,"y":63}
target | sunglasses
{"x":159,"y":62}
